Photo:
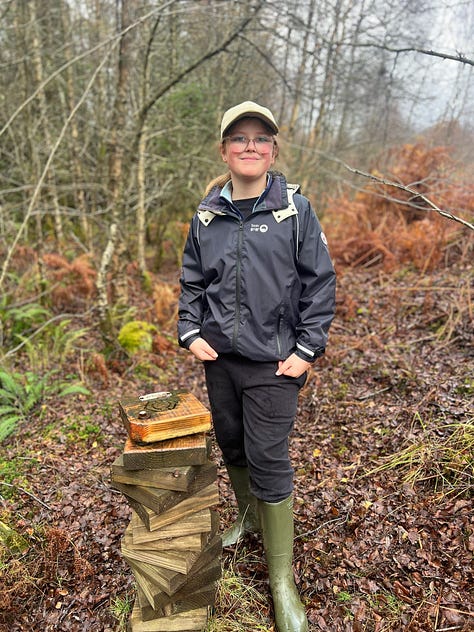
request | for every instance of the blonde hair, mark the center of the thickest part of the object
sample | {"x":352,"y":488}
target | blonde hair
{"x":224,"y":178}
{"x":220,"y":182}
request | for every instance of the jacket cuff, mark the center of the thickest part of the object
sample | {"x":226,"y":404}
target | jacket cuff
{"x":307,"y":354}
{"x":188,"y":338}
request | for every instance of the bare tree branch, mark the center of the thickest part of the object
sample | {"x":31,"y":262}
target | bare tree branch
{"x":209,"y":55}
{"x":52,"y":153}
{"x":460,"y":57}
{"x":397,"y":185}
{"x":430,"y":204}
{"x":268,"y":61}
{"x":111,"y":40}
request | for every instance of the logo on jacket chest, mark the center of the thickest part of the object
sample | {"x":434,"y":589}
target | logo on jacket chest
{"x":258,"y":228}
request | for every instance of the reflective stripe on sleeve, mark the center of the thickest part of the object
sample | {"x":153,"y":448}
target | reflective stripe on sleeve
{"x":306,"y":351}
{"x":193,"y":332}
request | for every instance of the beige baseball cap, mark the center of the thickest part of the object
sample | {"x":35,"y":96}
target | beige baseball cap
{"x":247,"y":109}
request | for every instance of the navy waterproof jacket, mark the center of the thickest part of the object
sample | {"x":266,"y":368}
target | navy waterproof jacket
{"x":261,"y":287}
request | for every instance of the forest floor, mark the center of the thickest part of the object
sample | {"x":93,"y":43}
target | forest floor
{"x":380,"y":545}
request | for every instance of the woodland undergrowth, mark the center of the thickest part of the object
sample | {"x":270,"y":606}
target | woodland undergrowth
{"x":382,"y":447}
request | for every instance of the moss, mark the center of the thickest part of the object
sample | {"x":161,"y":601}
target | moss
{"x":136,"y":335}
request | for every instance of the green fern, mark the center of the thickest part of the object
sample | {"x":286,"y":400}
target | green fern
{"x":72,"y":389}
{"x":8,"y":425}
{"x":21,"y":394}
{"x":52,"y":346}
{"x":11,"y":389}
{"x":18,"y":322}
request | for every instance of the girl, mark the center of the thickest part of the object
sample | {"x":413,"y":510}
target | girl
{"x":257,"y":299}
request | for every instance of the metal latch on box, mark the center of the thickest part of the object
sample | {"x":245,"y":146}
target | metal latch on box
{"x":157,"y":395}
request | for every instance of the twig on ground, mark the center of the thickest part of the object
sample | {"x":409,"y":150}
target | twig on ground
{"x":21,"y":489}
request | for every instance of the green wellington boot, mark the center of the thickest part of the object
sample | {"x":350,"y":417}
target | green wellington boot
{"x":247,"y":518}
{"x":278,"y":532}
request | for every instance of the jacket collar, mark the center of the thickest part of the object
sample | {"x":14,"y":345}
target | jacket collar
{"x":275,"y":197}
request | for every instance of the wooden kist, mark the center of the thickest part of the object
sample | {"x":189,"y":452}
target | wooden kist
{"x":171,"y":543}
{"x":163,"y":415}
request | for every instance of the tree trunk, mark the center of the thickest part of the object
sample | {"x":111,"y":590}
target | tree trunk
{"x":43,"y":111}
{"x":114,"y":249}
{"x":141,"y":205}
{"x":76,"y":165}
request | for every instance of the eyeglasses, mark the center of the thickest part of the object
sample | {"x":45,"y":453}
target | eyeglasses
{"x":262,"y":144}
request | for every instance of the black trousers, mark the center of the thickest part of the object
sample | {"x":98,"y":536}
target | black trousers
{"x":253,"y":412}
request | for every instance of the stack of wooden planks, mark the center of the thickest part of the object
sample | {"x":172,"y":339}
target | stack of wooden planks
{"x":171,"y":543}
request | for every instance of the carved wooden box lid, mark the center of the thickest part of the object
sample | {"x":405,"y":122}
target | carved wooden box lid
{"x":163,"y":415}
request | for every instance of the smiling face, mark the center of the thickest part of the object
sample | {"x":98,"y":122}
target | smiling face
{"x":249,"y":165}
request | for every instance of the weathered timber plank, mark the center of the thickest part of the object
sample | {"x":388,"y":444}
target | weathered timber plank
{"x":180,"y":561}
{"x":159,"y":599}
{"x":168,"y":581}
{"x":173,"y":478}
{"x":157,"y":500}
{"x":160,"y":500}
{"x":195,"y":542}
{"x":204,"y":596}
{"x":189,"y":450}
{"x":204,"y":499}
{"x":187,"y":417}
{"x":171,"y":581}
{"x":183,"y":622}
{"x":202,"y":522}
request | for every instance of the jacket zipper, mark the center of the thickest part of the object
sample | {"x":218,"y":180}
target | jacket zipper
{"x":238,"y":267}
{"x":279,"y":329}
